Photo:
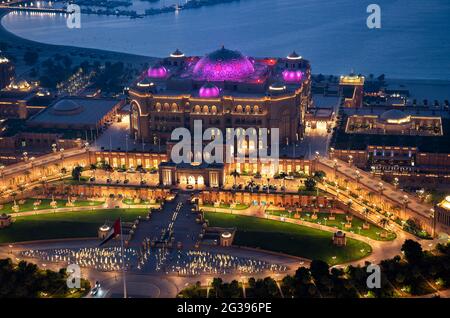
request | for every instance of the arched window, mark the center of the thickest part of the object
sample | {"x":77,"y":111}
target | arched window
{"x":214,"y":109}
{"x":135,"y":116}
{"x":239,"y":109}
{"x":248,"y":109}
{"x":205,"y":109}
{"x":256,"y":109}
{"x":158,"y":107}
{"x":174,"y":107}
{"x":166,"y":107}
{"x":197,"y":109}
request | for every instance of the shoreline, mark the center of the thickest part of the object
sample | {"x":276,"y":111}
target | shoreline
{"x":16,"y":41}
{"x":12,"y":39}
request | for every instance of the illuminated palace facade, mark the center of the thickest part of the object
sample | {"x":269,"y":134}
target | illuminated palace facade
{"x":223,"y":89}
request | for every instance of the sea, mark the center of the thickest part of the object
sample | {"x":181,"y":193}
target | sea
{"x":413,"y":41}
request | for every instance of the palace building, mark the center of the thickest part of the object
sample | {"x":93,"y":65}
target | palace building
{"x":223,"y":89}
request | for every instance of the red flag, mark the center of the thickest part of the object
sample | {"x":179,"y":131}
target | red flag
{"x":115,"y":230}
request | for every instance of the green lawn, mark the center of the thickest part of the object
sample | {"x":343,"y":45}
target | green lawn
{"x":45,"y":204}
{"x":288,"y":238}
{"x":63,"y":225}
{"x":131,"y":202}
{"x":357,"y":223}
{"x":238,"y":206}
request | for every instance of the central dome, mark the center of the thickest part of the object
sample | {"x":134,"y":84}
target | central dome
{"x":224,"y":65}
{"x":67,"y":107}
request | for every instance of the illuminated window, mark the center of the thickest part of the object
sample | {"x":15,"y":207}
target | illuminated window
{"x":166,"y":106}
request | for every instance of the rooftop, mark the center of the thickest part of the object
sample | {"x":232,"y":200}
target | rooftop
{"x":360,"y":141}
{"x":230,"y":71}
{"x":74,"y":111}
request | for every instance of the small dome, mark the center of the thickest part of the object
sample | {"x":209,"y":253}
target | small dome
{"x":280,"y":87}
{"x":105,"y":228}
{"x":146,"y":82}
{"x":224,"y":65}
{"x":226,"y":235}
{"x":67,"y":107}
{"x":339,"y":234}
{"x":209,"y":90}
{"x":157,"y":71}
{"x":394,"y":116}
{"x":292,"y":76}
{"x":177,"y":53}
{"x":294,"y":56}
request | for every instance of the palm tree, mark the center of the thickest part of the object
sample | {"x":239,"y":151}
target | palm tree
{"x":235,"y":175}
{"x":251,"y":184}
{"x":283,"y":175}
{"x":366,"y":215}
{"x":93,"y":168}
{"x":43,"y":182}
{"x":384,"y":222}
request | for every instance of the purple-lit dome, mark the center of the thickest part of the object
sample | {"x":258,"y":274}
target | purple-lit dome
{"x":209,"y":90}
{"x":224,"y":65}
{"x":292,"y":76}
{"x":157,"y":71}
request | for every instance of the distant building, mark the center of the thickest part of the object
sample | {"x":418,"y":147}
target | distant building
{"x":5,"y":220}
{"x":442,"y":215}
{"x":77,"y":113}
{"x":226,"y":239}
{"x":339,"y":238}
{"x":351,"y":88}
{"x":407,"y":144}
{"x":22,"y":99}
{"x":7,"y":72}
{"x":395,"y":122}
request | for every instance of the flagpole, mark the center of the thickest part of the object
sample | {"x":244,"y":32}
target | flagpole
{"x":123,"y":262}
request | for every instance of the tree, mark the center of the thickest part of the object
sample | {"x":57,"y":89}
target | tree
{"x":217,"y":284}
{"x":319,"y":175}
{"x":30,"y":57}
{"x":76,"y":173}
{"x":235,"y":175}
{"x":310,"y":184}
{"x":94,"y":169}
{"x":366,"y":212}
{"x":303,"y":275}
{"x":282,"y":176}
{"x":413,"y":251}
{"x":319,"y":269}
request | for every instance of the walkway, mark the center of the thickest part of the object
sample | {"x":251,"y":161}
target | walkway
{"x":372,"y":182}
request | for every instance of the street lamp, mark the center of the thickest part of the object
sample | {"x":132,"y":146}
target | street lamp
{"x":395,"y":182}
{"x":433,"y":221}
